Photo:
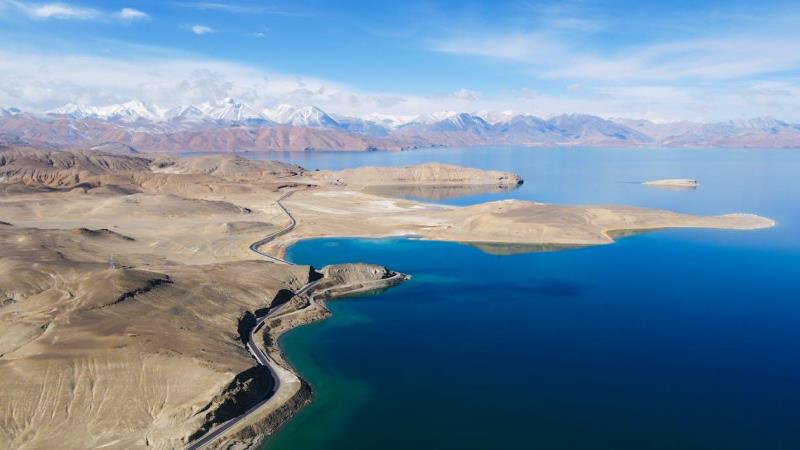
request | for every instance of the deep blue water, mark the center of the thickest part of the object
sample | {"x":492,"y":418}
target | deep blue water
{"x":668,"y":340}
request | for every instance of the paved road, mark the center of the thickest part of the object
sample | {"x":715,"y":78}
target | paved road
{"x":262,"y":358}
{"x":255,"y":246}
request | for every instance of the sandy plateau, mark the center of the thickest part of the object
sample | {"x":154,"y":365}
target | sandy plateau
{"x":127,"y":284}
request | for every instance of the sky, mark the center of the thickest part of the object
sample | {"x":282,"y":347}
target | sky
{"x":663,"y":61}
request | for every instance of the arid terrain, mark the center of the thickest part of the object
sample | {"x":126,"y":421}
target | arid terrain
{"x":128,"y":288}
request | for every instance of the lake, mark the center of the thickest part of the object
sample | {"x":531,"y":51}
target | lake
{"x":673,"y":339}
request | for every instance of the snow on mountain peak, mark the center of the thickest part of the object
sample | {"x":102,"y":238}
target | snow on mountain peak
{"x":436,"y":117}
{"x":73,"y":110}
{"x":184,"y":112}
{"x":387,"y":120}
{"x":8,"y":112}
{"x":758,"y":123}
{"x":306,"y":116}
{"x":130,"y":111}
{"x":496,"y":117}
{"x":230,"y":110}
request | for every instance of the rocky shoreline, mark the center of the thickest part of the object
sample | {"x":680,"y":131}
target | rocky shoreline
{"x":338,"y":281}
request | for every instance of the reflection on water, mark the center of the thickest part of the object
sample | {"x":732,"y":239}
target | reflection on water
{"x":670,"y":187}
{"x":501,"y":249}
{"x":436,"y":192}
{"x":618,"y":234}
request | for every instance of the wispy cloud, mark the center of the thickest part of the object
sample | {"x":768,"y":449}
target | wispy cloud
{"x":201,"y":30}
{"x":235,"y":8}
{"x":705,"y":59}
{"x":467,"y":95}
{"x":45,"y":11}
{"x":519,"y":46}
{"x":66,"y":11}
{"x":588,"y":49}
{"x":131,"y":14}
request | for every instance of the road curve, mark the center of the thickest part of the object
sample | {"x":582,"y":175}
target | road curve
{"x":255,"y":246}
{"x":276,"y":372}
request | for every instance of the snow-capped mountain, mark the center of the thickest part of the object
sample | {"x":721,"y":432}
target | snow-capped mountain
{"x":495,"y":117}
{"x":132,"y":111}
{"x":516,"y":126}
{"x":127,"y":112}
{"x":229,"y":123}
{"x":592,"y":128}
{"x":449,"y":121}
{"x":75,"y":111}
{"x":230,"y":110}
{"x":759,"y":123}
{"x":307,"y":116}
{"x":434,"y":117}
{"x":387,"y":120}
{"x":362,"y":126}
{"x":185,"y":113}
{"x":9,"y":112}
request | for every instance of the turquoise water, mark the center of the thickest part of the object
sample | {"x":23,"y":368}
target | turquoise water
{"x":668,"y":340}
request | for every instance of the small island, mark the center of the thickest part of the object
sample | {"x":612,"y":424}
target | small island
{"x":682,"y":183}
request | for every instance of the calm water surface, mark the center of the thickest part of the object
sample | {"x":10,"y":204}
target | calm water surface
{"x":669,"y":340}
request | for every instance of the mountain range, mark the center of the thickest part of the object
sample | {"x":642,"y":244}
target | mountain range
{"x":229,"y":125}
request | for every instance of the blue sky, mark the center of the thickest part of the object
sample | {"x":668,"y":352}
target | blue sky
{"x":697,"y":60}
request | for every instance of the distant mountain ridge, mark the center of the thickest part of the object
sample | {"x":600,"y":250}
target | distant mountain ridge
{"x":230,"y":125}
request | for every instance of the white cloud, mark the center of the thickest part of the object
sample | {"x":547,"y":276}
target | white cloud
{"x":41,"y":81}
{"x":201,"y":29}
{"x":718,"y":59}
{"x":45,"y":11}
{"x":467,"y":95}
{"x":131,"y":14}
{"x":524,"y":47}
{"x":66,"y":11}
{"x":238,"y":8}
{"x":545,"y":56}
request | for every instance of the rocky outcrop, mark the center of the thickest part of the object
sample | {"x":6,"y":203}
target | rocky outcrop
{"x":345,"y":279}
{"x":245,"y":391}
{"x":251,"y":436}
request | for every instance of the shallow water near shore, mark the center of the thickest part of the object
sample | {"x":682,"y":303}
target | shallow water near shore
{"x":670,"y":339}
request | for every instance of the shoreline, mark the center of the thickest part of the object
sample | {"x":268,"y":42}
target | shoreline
{"x":613,"y":235}
{"x":259,"y":430}
{"x":280,"y":406}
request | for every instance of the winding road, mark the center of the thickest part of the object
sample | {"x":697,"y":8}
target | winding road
{"x":281,"y":377}
{"x":255,"y":246}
